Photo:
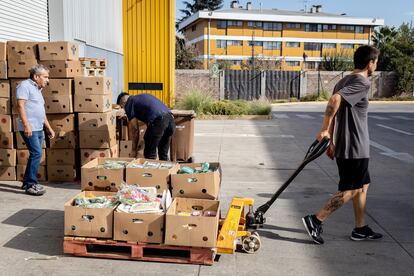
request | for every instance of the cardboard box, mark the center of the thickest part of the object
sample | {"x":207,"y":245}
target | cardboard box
{"x":64,"y":140}
{"x":3,"y":51}
{"x":41,"y":173}
{"x":95,"y":178}
{"x":22,"y":50}
{"x":93,"y":103}
{"x":58,"y":104}
{"x":63,"y":68}
{"x":97,"y":139}
{"x":6,"y":140}
{"x":14,"y":110}
{"x":90,"y":154}
{"x":5,"y":108}
{"x":62,"y":123}
{"x":3,"y":69}
{"x":61,"y":157}
{"x":13,"y":85}
{"x":4,"y":89}
{"x":158,"y":178}
{"x":182,"y":142}
{"x":20,"y":144}
{"x":23,"y":157}
{"x":7,"y":173}
{"x":148,"y":228}
{"x":7,"y":157}
{"x":61,"y":173}
{"x":200,"y":231}
{"x":20,"y":69}
{"x":125,"y":149}
{"x":89,"y":222}
{"x":93,"y":85}
{"x":58,"y":87}
{"x":197,"y":185}
{"x":5,"y":123}
{"x":58,"y":50}
{"x":97,"y":121}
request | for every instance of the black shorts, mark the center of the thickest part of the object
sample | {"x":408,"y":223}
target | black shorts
{"x":353,"y":173}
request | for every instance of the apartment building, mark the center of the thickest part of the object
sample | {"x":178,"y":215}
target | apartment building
{"x":294,"y":40}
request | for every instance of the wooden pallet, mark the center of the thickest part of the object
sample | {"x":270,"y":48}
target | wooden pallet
{"x":110,"y":249}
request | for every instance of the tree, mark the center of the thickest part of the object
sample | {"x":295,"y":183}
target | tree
{"x":186,"y":55}
{"x":337,"y":61}
{"x":383,"y":40}
{"x":199,"y":5}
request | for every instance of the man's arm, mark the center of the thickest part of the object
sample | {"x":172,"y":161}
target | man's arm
{"x":328,"y":120}
{"x":133,"y":130}
{"x":49,"y":129}
{"x":23,"y":117}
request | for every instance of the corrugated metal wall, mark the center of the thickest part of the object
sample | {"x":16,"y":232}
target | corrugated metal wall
{"x":24,"y":20}
{"x":242,"y":85}
{"x":96,"y":22}
{"x":149,"y":47}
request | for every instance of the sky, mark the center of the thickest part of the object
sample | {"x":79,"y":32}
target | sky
{"x":394,"y":12}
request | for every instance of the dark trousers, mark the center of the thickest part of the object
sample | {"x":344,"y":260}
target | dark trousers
{"x":158,"y":136}
{"x":34,"y":145}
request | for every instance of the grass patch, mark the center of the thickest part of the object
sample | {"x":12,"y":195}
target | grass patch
{"x":196,"y":100}
{"x":323,"y":96}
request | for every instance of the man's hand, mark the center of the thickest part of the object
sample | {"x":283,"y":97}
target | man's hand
{"x":28,"y":131}
{"x":322,"y":134}
{"x":50,"y":133}
{"x":331,"y":151}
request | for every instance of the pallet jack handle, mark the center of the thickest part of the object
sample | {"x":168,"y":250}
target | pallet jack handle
{"x":256,"y":219}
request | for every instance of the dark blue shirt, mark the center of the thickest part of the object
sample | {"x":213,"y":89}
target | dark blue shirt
{"x":145,"y":107}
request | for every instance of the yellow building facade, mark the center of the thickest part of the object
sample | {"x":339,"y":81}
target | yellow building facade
{"x":292,"y":40}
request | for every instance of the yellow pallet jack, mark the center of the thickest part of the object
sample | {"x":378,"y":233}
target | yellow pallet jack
{"x":236,"y":226}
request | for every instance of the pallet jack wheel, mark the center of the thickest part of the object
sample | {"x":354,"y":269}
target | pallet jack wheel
{"x":251,"y":244}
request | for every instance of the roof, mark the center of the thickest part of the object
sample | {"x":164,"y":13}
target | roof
{"x":275,"y":15}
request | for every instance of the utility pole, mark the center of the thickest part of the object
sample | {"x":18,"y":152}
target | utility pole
{"x":253,"y":61}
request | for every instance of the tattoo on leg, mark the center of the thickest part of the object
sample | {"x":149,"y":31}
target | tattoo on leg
{"x":329,"y":110}
{"x":335,"y":202}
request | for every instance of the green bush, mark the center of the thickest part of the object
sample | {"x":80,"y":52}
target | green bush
{"x":196,"y":100}
{"x":260,"y":107}
{"x":323,"y":96}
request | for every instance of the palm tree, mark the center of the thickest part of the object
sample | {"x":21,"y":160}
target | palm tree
{"x":383,"y":36}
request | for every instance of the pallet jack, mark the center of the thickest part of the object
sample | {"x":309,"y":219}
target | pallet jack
{"x":236,"y":226}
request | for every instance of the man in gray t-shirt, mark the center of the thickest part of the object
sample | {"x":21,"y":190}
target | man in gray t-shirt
{"x":346,"y":124}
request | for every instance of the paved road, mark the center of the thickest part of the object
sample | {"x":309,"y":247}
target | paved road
{"x":257,"y":157}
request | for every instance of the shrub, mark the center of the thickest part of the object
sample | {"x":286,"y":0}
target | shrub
{"x":196,"y":100}
{"x":260,"y":107}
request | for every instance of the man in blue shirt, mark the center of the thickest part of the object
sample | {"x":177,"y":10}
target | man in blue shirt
{"x":158,"y":118}
{"x":32,"y":120}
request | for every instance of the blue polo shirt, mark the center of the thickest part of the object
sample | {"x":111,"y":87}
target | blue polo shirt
{"x":34,"y":106}
{"x":145,"y":107}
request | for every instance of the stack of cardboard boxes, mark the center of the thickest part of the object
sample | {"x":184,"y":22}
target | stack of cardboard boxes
{"x":192,"y":219}
{"x":62,"y":59}
{"x":96,"y":119}
{"x":7,"y":153}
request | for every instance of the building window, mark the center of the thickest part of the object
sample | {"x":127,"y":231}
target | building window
{"x":221,"y":24}
{"x":313,"y":27}
{"x":269,"y":26}
{"x":234,"y":42}
{"x":309,"y":46}
{"x":311,"y":65}
{"x":293,"y":26}
{"x":271,"y":45}
{"x":234,"y":23}
{"x":349,"y":28}
{"x":328,"y":45}
{"x":359,"y":29}
{"x":347,"y":46}
{"x":327,"y":27}
{"x":255,"y":24}
{"x":293,"y":63}
{"x":194,"y":27}
{"x":293,"y":44}
{"x":255,"y":43}
{"x":221,"y":44}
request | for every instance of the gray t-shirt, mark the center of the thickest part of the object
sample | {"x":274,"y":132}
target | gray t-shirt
{"x":34,"y":106}
{"x":352,"y":137}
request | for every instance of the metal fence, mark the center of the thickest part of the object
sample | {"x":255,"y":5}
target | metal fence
{"x":251,"y":85}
